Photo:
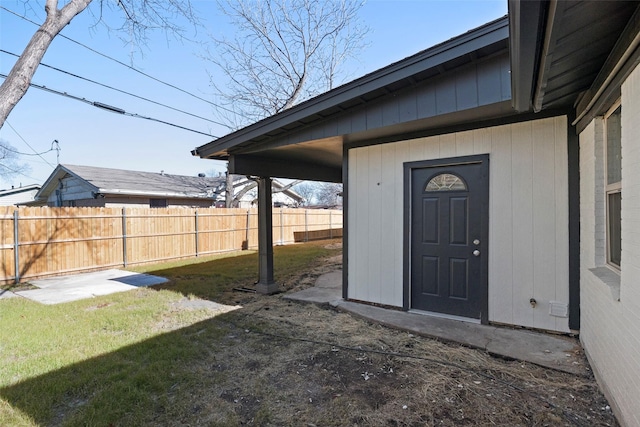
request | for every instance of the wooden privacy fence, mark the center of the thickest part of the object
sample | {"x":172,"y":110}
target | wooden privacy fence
{"x":38,"y":242}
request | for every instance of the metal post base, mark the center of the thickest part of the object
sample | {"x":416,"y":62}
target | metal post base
{"x":267,"y":289}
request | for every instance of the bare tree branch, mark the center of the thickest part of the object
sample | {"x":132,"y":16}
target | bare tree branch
{"x":9,"y":163}
{"x":284,"y":51}
{"x":17,"y":82}
{"x":140,"y":16}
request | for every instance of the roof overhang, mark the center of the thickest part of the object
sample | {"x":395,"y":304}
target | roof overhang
{"x":363,"y":90}
{"x":561,"y":56}
{"x":313,"y":133}
{"x":560,"y":50}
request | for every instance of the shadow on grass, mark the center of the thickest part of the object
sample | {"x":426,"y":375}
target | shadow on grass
{"x":154,"y":380}
{"x":215,"y":280}
{"x":134,"y":385}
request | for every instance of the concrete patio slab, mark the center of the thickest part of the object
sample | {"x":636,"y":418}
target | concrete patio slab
{"x":328,"y":288}
{"x":7,"y":294}
{"x":56,"y":290}
{"x":558,"y":352}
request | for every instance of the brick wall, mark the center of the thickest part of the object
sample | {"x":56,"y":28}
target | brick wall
{"x":610,"y":301}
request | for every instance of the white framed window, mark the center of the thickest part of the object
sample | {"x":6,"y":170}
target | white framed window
{"x":613,"y":183}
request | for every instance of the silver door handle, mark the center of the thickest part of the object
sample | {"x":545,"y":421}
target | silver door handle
{"x":476,"y":253}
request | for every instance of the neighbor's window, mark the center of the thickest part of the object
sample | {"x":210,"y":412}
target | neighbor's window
{"x":613,"y":143}
{"x":158,"y":203}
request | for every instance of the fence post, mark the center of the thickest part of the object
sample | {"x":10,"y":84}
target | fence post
{"x":330,"y":227}
{"x":281,"y":227}
{"x":306,"y":225}
{"x":124,"y":236}
{"x":16,"y":244}
{"x":247,"y":231}
{"x":196,"y":233}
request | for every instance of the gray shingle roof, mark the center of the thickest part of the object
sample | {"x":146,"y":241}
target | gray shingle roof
{"x":119,"y":181}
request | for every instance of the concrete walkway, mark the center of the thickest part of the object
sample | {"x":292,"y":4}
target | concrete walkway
{"x":558,"y":352}
{"x":56,"y":290}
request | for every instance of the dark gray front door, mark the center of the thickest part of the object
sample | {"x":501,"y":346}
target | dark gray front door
{"x":449,"y":222}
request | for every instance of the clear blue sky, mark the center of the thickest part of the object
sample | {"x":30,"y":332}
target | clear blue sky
{"x":91,"y":136}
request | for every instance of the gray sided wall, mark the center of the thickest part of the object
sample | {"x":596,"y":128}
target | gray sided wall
{"x":18,"y":198}
{"x":528,"y":217}
{"x":610,"y":301}
{"x":72,"y":189}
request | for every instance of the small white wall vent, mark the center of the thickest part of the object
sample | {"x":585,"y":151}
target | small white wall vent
{"x":558,"y":309}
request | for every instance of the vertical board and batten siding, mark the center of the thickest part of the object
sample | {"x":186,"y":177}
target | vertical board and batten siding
{"x":528,"y":217}
{"x":480,"y":84}
{"x":610,"y":312}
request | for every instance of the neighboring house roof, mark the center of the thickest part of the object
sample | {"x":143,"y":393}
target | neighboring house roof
{"x":18,"y":195}
{"x":135,"y":183}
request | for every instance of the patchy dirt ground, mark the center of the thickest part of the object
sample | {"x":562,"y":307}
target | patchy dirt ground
{"x":286,"y":363}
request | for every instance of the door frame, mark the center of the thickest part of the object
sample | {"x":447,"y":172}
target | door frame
{"x":484,"y":209}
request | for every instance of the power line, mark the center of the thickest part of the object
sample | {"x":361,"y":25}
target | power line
{"x":25,"y":141}
{"x":110,"y":108}
{"x":119,"y":90}
{"x":6,"y":148}
{"x":127,"y":66}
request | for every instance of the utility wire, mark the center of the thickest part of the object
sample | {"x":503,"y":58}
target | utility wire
{"x":128,"y":66}
{"x":4,"y":147}
{"x":118,"y":90}
{"x":24,"y":140}
{"x":109,"y":108}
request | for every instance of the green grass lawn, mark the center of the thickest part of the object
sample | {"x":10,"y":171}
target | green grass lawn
{"x":119,"y":359}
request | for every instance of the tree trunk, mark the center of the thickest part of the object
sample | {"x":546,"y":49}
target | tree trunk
{"x":17,"y":82}
{"x":229,"y":194}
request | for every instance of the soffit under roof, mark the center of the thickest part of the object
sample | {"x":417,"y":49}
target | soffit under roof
{"x":573,"y":41}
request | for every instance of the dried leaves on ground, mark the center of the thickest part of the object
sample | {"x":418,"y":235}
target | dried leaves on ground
{"x":287,"y":363}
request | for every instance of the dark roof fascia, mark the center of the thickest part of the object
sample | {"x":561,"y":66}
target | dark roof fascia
{"x":526,"y":32}
{"x":466,"y":43}
{"x":547,"y":48}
